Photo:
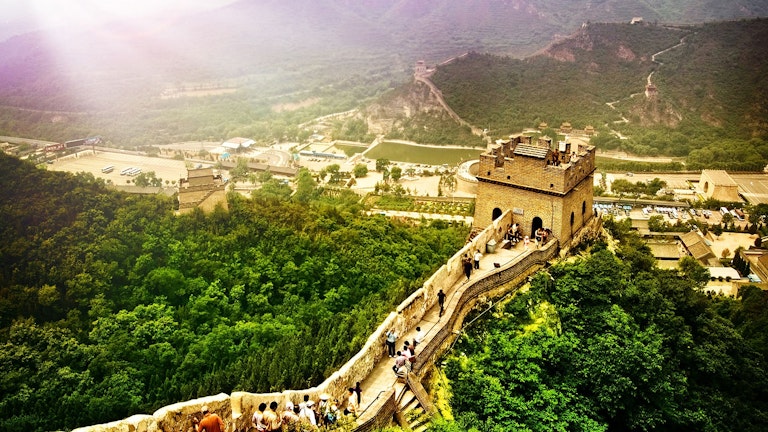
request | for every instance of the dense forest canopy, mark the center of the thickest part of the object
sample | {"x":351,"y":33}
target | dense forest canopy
{"x":608,"y":341}
{"x":111,"y":305}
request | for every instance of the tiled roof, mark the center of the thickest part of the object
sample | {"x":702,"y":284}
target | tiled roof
{"x":531,"y":151}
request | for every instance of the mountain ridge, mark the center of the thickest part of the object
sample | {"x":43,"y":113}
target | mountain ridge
{"x":267,"y":37}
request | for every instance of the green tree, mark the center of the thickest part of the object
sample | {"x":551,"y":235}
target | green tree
{"x":692,"y":269}
{"x":305,"y":186}
{"x":381,"y":164}
{"x":360,"y":170}
{"x":240,"y":171}
{"x":396,"y":172}
{"x":148,"y":179}
{"x":334,"y":171}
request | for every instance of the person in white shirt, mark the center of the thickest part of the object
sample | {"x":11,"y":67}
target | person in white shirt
{"x":306,"y":414}
{"x":418,"y":337}
{"x":352,"y":407}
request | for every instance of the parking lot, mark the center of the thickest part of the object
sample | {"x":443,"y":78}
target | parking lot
{"x":86,"y":161}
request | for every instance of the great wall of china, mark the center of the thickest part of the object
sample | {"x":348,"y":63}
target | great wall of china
{"x":236,"y":409}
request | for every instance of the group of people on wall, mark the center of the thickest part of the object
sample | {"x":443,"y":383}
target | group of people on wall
{"x":515,"y":235}
{"x":404,"y":358}
{"x":307,"y":416}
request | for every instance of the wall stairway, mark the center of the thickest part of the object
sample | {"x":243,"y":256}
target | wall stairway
{"x":414,"y":406}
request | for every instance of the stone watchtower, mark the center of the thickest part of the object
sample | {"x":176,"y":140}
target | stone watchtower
{"x":545,"y":187}
{"x":420,"y":69}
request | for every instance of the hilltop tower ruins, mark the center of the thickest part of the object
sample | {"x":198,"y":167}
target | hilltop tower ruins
{"x":544,"y":186}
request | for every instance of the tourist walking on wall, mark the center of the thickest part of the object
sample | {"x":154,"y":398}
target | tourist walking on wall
{"x":352,"y":403}
{"x":210,"y":422}
{"x":400,"y":361}
{"x":289,"y":416}
{"x":441,"y":301}
{"x":478,"y":256}
{"x":391,"y":341}
{"x":467,"y":263}
{"x":359,"y":391}
{"x":306,"y":415}
{"x":418,"y":337}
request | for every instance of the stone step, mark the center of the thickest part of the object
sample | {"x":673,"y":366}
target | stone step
{"x":422,"y":421}
{"x":406,"y":400}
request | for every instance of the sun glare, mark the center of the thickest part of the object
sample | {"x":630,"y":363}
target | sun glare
{"x":124,"y":35}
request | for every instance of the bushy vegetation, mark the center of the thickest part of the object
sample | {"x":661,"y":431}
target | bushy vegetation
{"x":422,"y":154}
{"x":408,"y":203}
{"x":616,"y":165}
{"x":611,"y":342}
{"x":126,"y":122}
{"x":110,"y":305}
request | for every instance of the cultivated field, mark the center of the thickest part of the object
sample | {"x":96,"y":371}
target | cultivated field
{"x":431,"y":155}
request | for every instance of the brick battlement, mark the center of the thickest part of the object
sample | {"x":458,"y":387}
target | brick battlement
{"x":519,"y":163}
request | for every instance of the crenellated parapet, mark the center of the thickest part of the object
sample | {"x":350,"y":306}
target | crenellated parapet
{"x":522,"y":163}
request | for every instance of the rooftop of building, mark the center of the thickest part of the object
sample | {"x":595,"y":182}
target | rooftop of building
{"x":719,"y":177}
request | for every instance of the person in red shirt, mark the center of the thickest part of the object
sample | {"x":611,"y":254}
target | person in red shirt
{"x":210,"y":422}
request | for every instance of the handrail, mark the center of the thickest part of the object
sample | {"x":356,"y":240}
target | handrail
{"x":371,"y":403}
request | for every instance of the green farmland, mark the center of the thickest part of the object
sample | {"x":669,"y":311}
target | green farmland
{"x":421,"y":154}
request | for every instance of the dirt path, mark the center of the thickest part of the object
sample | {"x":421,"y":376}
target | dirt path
{"x":612,"y":104}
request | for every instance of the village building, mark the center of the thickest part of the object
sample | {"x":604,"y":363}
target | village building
{"x":201,"y":189}
{"x":718,"y":185}
{"x":696,"y":246}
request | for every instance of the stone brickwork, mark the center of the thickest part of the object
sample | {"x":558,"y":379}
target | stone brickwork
{"x":542,"y":186}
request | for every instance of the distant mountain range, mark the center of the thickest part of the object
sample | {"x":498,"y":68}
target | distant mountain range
{"x":706,"y":76}
{"x":260,"y":43}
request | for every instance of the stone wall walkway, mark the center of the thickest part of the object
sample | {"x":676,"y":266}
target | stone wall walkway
{"x":382,"y":378}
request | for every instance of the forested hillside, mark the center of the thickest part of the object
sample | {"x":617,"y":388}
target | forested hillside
{"x":711,"y":103}
{"x":110,"y":305}
{"x":609,"y":342}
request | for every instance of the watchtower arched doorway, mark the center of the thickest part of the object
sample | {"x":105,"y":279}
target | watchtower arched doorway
{"x":536,"y":224}
{"x":495,"y":214}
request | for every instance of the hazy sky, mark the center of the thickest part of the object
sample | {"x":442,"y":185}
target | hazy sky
{"x":25,"y":15}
